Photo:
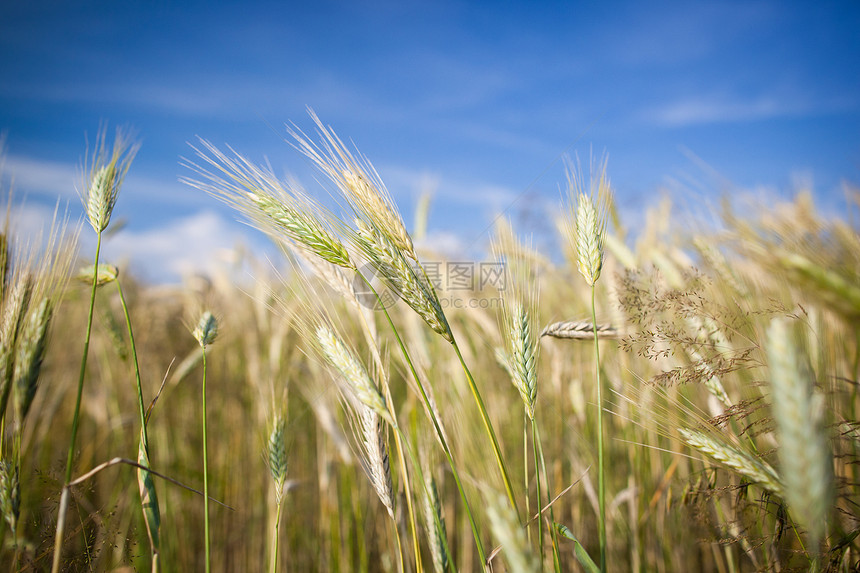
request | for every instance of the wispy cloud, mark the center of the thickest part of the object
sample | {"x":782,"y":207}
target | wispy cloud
{"x":705,"y":110}
{"x":202,"y":243}
{"x":42,"y":178}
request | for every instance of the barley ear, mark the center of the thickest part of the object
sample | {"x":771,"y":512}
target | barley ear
{"x":31,"y":347}
{"x":276,"y":450}
{"x":804,"y":452}
{"x":522,"y":354}
{"x":376,"y":450}
{"x":361,"y":386}
{"x":104,"y":178}
{"x":738,"y":460}
{"x":589,"y":221}
{"x":10,"y":494}
{"x":206,"y":330}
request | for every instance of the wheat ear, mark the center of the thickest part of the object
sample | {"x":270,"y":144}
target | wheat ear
{"x":804,"y":452}
{"x":740,"y":461}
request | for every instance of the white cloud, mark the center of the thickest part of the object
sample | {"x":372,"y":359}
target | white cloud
{"x":42,"y":178}
{"x":703,"y":110}
{"x":202,"y":243}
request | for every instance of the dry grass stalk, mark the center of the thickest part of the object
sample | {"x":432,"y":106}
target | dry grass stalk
{"x":804,"y":453}
{"x":579,"y":330}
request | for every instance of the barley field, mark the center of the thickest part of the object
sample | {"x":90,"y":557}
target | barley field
{"x":685,"y":399}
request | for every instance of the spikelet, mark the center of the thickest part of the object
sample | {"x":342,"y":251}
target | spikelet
{"x":276,"y":451}
{"x":804,"y":451}
{"x":104,"y":177}
{"x":740,"y":461}
{"x":206,"y":330}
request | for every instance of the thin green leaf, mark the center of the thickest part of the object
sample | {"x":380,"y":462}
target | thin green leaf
{"x":578,"y":550}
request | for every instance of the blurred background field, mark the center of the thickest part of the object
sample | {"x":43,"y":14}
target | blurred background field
{"x":690,"y":303}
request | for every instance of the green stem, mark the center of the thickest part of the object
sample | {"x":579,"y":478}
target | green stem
{"x":601,"y":484}
{"x":64,"y":498}
{"x":277,"y":535}
{"x":205,"y":469}
{"x":488,"y":426}
{"x":144,"y":437}
{"x":398,"y":439}
{"x":526,"y":474}
{"x":140,"y":402}
{"x":436,"y":426}
{"x":556,"y":558}
{"x":537,"y":482}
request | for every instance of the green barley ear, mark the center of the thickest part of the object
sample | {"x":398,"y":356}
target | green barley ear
{"x":804,"y":452}
{"x":589,"y":220}
{"x":353,"y":371}
{"x":374,"y":444}
{"x":14,"y":313}
{"x":522,"y":354}
{"x":10,"y":494}
{"x":742,"y":462}
{"x":434,"y":521}
{"x":5,"y":263}
{"x":104,"y":178}
{"x":30,"y":352}
{"x":276,"y":450}
{"x":206,"y":330}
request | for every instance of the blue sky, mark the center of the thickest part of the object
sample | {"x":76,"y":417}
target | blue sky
{"x":477,"y":101}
